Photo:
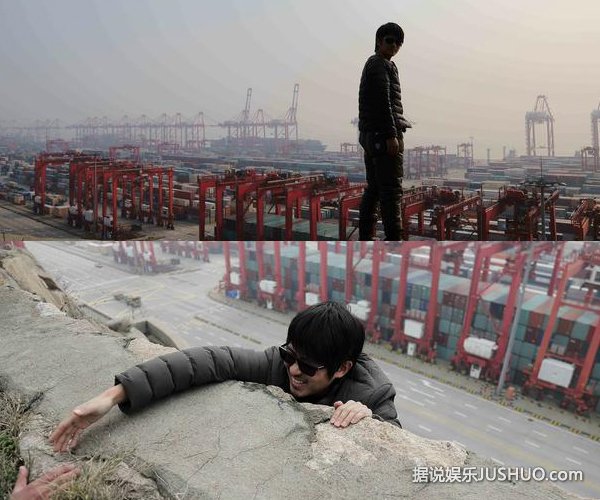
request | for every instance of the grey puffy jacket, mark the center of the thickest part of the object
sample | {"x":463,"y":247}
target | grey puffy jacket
{"x":380,"y":99}
{"x":178,"y":371}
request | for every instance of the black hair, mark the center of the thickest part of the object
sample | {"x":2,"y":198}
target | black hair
{"x":389,"y":29}
{"x":328,"y":334}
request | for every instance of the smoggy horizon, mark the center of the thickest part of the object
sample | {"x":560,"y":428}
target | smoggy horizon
{"x":467,"y":70}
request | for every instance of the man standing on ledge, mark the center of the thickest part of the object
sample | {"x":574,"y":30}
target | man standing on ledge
{"x":381,"y":124}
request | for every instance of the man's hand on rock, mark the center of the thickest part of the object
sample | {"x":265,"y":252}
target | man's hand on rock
{"x":45,"y":486}
{"x":66,"y":435}
{"x":348,"y":413}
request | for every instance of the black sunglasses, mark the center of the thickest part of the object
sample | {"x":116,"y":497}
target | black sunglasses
{"x":289,"y":358}
{"x":390,"y":40}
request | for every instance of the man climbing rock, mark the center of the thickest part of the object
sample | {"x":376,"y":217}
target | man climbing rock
{"x":321,"y":362}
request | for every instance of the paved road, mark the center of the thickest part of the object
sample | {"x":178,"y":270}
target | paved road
{"x":19,"y":222}
{"x":14,"y":224}
{"x":425,"y":407}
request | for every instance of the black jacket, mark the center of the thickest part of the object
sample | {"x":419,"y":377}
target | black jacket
{"x":380,"y":99}
{"x":181,"y":370}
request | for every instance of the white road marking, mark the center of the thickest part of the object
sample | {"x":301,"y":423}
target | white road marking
{"x":532,"y":444}
{"x":468,"y":405}
{"x":505,"y":420}
{"x":540,"y":434}
{"x":427,"y":383}
{"x":494,"y":428}
{"x":460,"y":444}
{"x":460,"y":414}
{"x":422,"y":392}
{"x":573,"y":461}
{"x":499,"y":462}
{"x":580,"y":450}
{"x":411,"y":400}
{"x":427,"y":429}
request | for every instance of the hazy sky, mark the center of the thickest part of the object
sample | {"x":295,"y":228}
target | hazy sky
{"x":467,"y":68}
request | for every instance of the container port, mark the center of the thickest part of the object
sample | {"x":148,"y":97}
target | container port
{"x":140,"y":178}
{"x":454,"y":301}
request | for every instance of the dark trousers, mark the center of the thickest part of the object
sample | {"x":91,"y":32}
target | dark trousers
{"x":384,"y":187}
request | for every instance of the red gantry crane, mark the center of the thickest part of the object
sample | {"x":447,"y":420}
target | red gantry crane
{"x":568,"y":373}
{"x":485,"y":355}
{"x":423,"y":162}
{"x":450,"y":210}
{"x":292,"y":191}
{"x":585,"y":219}
{"x":235,"y":282}
{"x":303,"y":294}
{"x":366,"y":310}
{"x":244,"y":182}
{"x":415,"y":334}
{"x":42,"y":162}
{"x":270,"y":291}
{"x":523,"y":211}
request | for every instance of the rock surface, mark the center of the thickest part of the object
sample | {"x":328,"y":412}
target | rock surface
{"x":24,"y":269}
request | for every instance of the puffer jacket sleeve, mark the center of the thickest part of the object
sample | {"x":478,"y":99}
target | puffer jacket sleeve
{"x":382,"y":405}
{"x":380,"y":83}
{"x":178,"y":371}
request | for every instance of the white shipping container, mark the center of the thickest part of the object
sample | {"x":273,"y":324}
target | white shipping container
{"x":88,"y":215}
{"x":482,"y":348}
{"x":359,"y":310}
{"x":556,"y":372}
{"x":311,"y":299}
{"x":414,"y":329}
{"x":267,"y":286}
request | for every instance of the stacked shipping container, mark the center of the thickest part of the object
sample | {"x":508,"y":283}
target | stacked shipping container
{"x":571,"y":337}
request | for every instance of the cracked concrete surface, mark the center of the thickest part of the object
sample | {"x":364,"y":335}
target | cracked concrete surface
{"x":230,"y":440}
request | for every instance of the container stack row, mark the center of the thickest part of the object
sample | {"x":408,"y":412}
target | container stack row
{"x":571,"y":338}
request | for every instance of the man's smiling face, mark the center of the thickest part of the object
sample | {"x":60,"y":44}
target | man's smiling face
{"x":303,"y":385}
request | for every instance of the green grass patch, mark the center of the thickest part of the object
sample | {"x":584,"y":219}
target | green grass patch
{"x":99,"y":478}
{"x":13,"y":417}
{"x":98,"y":481}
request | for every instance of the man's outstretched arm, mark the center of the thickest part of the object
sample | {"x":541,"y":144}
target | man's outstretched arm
{"x":178,"y":371}
{"x":144,"y":383}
